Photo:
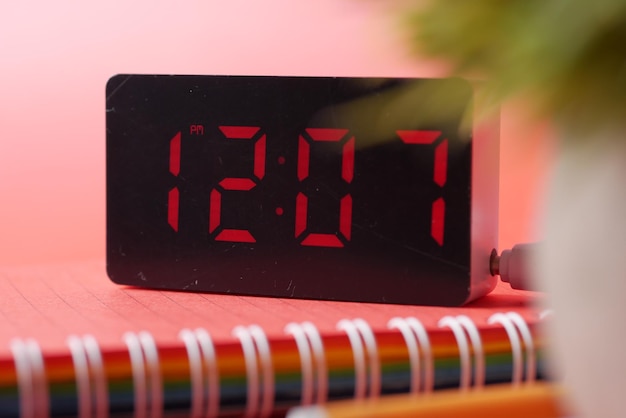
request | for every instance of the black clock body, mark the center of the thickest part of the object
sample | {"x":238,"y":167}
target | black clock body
{"x":356,"y":189}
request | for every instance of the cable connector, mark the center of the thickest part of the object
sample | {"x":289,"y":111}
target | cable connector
{"x":512,"y":265}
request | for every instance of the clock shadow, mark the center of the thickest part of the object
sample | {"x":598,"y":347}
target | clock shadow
{"x":504,"y":297}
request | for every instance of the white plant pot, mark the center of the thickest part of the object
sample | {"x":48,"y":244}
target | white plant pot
{"x":583,"y":268}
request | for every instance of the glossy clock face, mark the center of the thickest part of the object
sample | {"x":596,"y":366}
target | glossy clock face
{"x":334,"y":188}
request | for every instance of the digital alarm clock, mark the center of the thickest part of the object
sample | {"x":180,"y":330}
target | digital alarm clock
{"x":354,"y":189}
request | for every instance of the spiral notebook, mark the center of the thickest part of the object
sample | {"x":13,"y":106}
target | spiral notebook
{"x":74,"y":344}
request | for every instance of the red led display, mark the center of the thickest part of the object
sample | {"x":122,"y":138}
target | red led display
{"x":330,"y":239}
{"x":172,"y":208}
{"x":236,"y":184}
{"x":173,"y":195}
{"x":437,"y":218}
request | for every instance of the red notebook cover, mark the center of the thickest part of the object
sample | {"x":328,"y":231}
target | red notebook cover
{"x":73,"y":342}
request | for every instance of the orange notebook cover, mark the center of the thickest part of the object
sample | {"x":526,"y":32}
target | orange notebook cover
{"x":73,"y":343}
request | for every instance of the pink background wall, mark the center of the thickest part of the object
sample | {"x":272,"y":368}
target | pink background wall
{"x":55,"y":60}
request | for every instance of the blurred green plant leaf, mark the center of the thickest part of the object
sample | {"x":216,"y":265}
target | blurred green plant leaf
{"x":569,"y":56}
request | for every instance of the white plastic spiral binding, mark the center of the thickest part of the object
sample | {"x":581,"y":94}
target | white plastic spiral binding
{"x":306,"y":361}
{"x":315,"y":339}
{"x":151,"y":356}
{"x":139,"y":374}
{"x":531,"y":368}
{"x":515,"y":326}
{"x":24,"y":378}
{"x":308,"y":339}
{"x":359,"y":332}
{"x":31,"y":377}
{"x":146,"y":371}
{"x":460,"y":325}
{"x":212,"y":377}
{"x":253,"y":340}
{"x":81,"y":371}
{"x":263,"y":348}
{"x":252,"y":372}
{"x":420,"y":353}
{"x":99,"y":387}
{"x":203,"y":373}
{"x":90,"y":380}
{"x":195,"y":372}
